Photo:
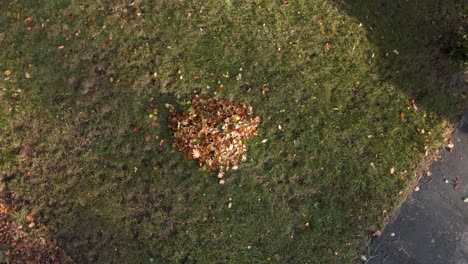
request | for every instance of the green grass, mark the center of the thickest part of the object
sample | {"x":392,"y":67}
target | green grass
{"x":346,"y":118}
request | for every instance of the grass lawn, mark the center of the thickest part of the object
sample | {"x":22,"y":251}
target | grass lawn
{"x":346,"y":92}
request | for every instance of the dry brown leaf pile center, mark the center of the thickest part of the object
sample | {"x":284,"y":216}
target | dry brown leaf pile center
{"x":214,"y":131}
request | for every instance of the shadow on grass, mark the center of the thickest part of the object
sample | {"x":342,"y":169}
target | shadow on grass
{"x":420,"y":48}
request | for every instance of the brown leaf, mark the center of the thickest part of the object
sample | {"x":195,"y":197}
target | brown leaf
{"x":30,"y":218}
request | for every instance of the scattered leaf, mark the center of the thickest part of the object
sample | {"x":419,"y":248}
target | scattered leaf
{"x":265,"y":89}
{"x":456,"y":184}
{"x":377,"y":233}
{"x":30,"y":218}
{"x":450,"y":146}
{"x":19,"y":246}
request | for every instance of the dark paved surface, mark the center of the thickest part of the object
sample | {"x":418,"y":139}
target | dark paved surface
{"x":432,"y":226}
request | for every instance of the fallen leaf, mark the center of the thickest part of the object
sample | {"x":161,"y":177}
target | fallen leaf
{"x":377,"y":233}
{"x":456,"y":185}
{"x":450,"y":145}
{"x":413,"y":102}
{"x":7,"y":72}
{"x":265,"y":90}
{"x":30,"y":218}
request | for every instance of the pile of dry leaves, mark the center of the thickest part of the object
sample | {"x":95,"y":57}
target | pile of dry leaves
{"x":20,"y":246}
{"x":214,"y":131}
